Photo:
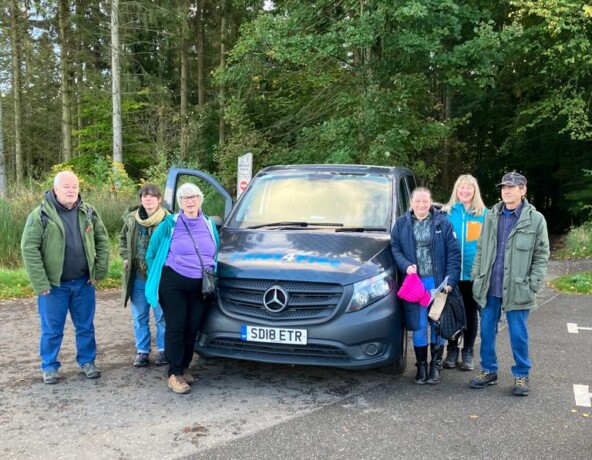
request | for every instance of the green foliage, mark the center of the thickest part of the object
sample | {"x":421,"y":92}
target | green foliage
{"x":578,"y":242}
{"x":580,"y":283}
{"x":13,"y":215}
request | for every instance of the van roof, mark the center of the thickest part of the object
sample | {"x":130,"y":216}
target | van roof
{"x":339,"y":168}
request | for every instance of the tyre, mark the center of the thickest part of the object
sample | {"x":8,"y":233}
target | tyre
{"x":398,"y":366}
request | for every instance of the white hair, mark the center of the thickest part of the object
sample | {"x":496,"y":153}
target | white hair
{"x":59,"y":176}
{"x":188,"y":189}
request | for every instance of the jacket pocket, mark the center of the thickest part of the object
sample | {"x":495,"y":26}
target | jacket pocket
{"x":523,"y":293}
{"x":525,"y":240}
{"x":478,"y":285}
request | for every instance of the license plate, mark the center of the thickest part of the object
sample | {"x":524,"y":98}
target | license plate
{"x":274,"y":335}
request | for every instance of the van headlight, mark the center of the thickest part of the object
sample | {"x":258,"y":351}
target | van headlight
{"x":369,"y":291}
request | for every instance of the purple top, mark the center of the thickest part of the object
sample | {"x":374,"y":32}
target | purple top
{"x":182,"y":256}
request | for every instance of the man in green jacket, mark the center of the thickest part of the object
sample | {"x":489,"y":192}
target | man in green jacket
{"x":509,"y":269}
{"x":65,"y":247}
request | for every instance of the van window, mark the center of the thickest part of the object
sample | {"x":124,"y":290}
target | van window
{"x":403,"y":198}
{"x":355,"y":200}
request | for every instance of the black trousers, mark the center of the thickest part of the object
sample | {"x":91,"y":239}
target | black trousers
{"x":184,"y":308}
{"x":471,"y":312}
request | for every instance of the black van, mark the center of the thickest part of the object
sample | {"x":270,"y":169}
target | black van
{"x":305,"y":269}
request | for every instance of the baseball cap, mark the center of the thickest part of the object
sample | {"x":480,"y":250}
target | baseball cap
{"x":512,"y":179}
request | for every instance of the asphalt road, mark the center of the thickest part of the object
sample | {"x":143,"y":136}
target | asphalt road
{"x":241,"y":410}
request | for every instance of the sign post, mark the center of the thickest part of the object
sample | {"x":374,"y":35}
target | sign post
{"x":245,"y":173}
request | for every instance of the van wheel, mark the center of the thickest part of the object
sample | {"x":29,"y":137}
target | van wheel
{"x":398,"y":366}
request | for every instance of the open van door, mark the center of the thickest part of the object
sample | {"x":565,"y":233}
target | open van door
{"x":217,"y":201}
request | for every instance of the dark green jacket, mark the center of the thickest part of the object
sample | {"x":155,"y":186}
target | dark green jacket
{"x":525,"y":262}
{"x":128,"y":250}
{"x":43,"y":246}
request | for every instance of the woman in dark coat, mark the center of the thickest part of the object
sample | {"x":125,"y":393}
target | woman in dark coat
{"x":423,"y":243}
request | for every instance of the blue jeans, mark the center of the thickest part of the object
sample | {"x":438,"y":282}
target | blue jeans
{"x":420,"y":337}
{"x":141,"y":314}
{"x":74,"y":296}
{"x":518,"y":330}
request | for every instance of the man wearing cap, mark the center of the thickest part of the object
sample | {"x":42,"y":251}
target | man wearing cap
{"x":509,"y":268}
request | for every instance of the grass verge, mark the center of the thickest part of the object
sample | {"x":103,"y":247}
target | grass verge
{"x":578,"y":283}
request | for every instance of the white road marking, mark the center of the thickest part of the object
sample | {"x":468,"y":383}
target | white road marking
{"x":573,"y":328}
{"x":582,"y":395}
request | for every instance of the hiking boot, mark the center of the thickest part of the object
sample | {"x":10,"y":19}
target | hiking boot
{"x":189,"y":377}
{"x":484,"y":379}
{"x":91,"y":371}
{"x":468,"y":360}
{"x":178,"y":384}
{"x":451,"y":357}
{"x":160,"y":359}
{"x":141,"y":360}
{"x":51,"y":376}
{"x":521,"y":386}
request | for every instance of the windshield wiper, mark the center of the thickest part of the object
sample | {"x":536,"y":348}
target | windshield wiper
{"x":296,"y":224}
{"x":361,"y":229}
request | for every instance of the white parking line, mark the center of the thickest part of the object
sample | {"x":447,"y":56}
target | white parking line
{"x":573,"y":328}
{"x":582,"y":395}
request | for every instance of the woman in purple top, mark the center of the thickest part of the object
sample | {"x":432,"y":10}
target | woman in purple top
{"x":175,"y":279}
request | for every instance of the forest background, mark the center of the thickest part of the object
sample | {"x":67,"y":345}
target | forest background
{"x":122,"y":90}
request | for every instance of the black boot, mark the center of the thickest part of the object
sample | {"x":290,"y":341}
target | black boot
{"x":435,"y":365}
{"x":421,"y":354}
{"x":451,"y":355}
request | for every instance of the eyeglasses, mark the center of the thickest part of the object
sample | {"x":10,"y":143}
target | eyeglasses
{"x":190,"y":198}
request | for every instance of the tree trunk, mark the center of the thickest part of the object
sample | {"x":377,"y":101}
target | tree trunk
{"x":116,"y":84}
{"x":447,"y":151}
{"x":184,"y":109}
{"x":16,"y":88}
{"x":201,"y":64}
{"x":64,"y":33}
{"x":221,"y":123}
{"x":2,"y":156}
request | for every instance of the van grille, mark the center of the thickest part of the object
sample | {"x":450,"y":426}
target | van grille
{"x":305,"y":300}
{"x":253,"y":350}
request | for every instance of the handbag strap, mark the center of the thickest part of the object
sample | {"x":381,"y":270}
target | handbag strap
{"x":193,"y":241}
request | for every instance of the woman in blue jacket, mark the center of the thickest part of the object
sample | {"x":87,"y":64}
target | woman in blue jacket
{"x":423,"y":242}
{"x":175,"y":279}
{"x":466,"y":212}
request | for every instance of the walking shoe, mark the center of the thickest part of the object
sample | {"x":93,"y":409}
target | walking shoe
{"x":451,"y":358}
{"x":521,"y":386}
{"x":141,"y":360}
{"x":160,"y":359}
{"x":51,"y":376}
{"x":91,"y":371}
{"x":189,"y":377}
{"x":484,"y":379}
{"x":178,"y":384}
{"x":468,"y":360}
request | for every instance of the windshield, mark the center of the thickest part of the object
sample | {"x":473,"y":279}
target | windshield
{"x":316,"y":200}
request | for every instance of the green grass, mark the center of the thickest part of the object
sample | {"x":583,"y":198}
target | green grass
{"x":579,"y":283}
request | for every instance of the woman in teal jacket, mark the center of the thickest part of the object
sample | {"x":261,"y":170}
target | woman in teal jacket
{"x":466,"y":212}
{"x":175,"y":279}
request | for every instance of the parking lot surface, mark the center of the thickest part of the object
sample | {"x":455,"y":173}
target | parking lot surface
{"x":249,"y":410}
